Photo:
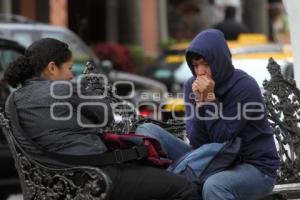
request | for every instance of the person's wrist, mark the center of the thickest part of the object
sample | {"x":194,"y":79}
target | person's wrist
{"x":210,"y":97}
{"x":199,"y":104}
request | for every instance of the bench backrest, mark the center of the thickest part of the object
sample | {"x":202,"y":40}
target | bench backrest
{"x":282,"y":99}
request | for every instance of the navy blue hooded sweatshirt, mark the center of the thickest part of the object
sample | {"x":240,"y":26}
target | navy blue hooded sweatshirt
{"x":239,"y":110}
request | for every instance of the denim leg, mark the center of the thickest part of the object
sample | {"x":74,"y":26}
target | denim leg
{"x":243,"y":182}
{"x":173,"y":146}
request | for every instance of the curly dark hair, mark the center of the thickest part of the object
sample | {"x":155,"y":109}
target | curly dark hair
{"x":37,"y":57}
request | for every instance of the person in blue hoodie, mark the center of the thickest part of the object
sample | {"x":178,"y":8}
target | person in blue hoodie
{"x":222,"y":103}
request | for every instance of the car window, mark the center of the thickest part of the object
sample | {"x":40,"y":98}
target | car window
{"x":183,"y":73}
{"x":24,"y":38}
{"x":7,"y":56}
{"x":164,"y":66}
{"x":163,"y":73}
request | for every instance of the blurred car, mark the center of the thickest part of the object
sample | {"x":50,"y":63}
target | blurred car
{"x":162,"y":69}
{"x":9,"y":180}
{"x":26,"y":32}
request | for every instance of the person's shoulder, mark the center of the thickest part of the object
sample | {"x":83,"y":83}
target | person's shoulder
{"x":247,"y":86}
{"x":188,"y":87}
{"x":62,"y":88}
{"x":247,"y":80}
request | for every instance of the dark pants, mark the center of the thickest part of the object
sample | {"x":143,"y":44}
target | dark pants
{"x":138,"y":182}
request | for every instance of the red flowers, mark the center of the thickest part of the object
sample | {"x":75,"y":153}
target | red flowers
{"x":118,"y":54}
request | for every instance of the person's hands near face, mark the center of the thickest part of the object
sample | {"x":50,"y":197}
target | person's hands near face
{"x":205,"y":86}
{"x":197,"y":93}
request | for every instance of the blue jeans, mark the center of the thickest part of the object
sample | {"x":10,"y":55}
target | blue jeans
{"x":172,"y":146}
{"x":242,"y":182}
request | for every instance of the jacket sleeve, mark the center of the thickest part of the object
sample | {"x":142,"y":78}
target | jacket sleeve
{"x":189,"y":105}
{"x":225,"y":121}
{"x":195,"y":128}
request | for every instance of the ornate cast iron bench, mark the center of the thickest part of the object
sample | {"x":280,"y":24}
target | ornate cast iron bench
{"x":42,"y":182}
{"x":282,"y":99}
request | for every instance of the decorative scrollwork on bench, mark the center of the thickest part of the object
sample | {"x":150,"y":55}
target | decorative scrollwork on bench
{"x":41,"y":182}
{"x":98,"y":85}
{"x":130,"y":118}
{"x":282,"y":99}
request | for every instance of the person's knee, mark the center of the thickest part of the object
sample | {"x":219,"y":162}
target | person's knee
{"x":214,"y":190}
{"x":147,"y":126}
{"x":147,"y":129}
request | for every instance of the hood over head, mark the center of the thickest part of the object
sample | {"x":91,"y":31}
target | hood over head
{"x":212,"y":46}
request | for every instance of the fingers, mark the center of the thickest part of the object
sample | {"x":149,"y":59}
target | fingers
{"x":203,"y":88}
{"x":209,"y":81}
{"x":201,"y":84}
{"x":198,"y":96}
{"x":196,"y":87}
{"x":205,"y":79}
{"x":196,"y":90}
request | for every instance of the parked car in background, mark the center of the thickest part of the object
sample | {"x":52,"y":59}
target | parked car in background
{"x":9,"y":180}
{"x":162,"y":69}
